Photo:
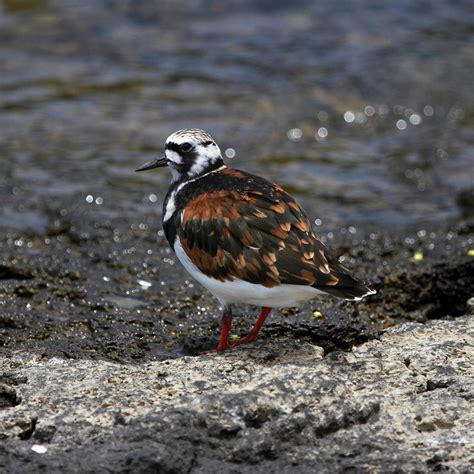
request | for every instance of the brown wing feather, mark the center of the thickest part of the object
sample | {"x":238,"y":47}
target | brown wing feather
{"x":264,"y":239}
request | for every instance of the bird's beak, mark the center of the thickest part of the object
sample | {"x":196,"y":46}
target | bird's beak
{"x":156,"y":163}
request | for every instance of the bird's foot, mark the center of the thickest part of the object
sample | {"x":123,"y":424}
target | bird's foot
{"x":219,"y":348}
{"x":231,"y":345}
{"x":224,"y":343}
{"x":244,"y":340}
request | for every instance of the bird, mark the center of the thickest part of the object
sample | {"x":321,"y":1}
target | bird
{"x":242,"y":237}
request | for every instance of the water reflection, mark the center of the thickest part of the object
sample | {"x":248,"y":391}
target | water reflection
{"x":365,"y":113}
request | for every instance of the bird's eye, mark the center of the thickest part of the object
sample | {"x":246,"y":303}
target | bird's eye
{"x":186,"y":147}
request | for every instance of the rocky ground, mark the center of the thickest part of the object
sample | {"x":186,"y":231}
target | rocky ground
{"x":98,"y":370}
{"x":401,"y":403}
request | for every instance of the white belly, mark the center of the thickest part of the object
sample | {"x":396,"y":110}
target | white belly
{"x":239,"y":291}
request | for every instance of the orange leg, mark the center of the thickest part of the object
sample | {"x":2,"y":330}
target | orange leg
{"x":253,"y":335}
{"x":225,"y":331}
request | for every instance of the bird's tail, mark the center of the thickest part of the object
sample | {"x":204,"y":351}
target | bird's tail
{"x":354,"y":292}
{"x":347,"y":286}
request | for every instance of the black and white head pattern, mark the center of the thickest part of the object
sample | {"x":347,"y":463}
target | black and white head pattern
{"x":191,"y":152}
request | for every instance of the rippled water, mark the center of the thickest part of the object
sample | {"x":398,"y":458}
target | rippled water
{"x":364,"y":110}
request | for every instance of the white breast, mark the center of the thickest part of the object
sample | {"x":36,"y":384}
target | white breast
{"x":239,"y":291}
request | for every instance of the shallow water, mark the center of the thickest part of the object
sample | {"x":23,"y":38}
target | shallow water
{"x":363,"y":110}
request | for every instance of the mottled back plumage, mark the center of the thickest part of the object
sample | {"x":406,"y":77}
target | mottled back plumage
{"x":250,"y":229}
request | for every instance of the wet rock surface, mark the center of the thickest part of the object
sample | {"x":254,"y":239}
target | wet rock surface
{"x":119,"y":294}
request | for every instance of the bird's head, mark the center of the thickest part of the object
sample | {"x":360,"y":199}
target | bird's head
{"x":188,"y":153}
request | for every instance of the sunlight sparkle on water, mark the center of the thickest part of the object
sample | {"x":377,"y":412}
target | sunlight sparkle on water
{"x":349,"y":116}
{"x":401,"y":124}
{"x":360,"y":117}
{"x":369,"y":110}
{"x":428,"y":110}
{"x":230,"y":153}
{"x":415,"y":119}
{"x":144,"y":284}
{"x":322,"y":132}
{"x":295,"y":134}
{"x":322,"y":115}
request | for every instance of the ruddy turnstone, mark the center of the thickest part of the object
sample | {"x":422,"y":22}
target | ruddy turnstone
{"x":243,"y":238}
